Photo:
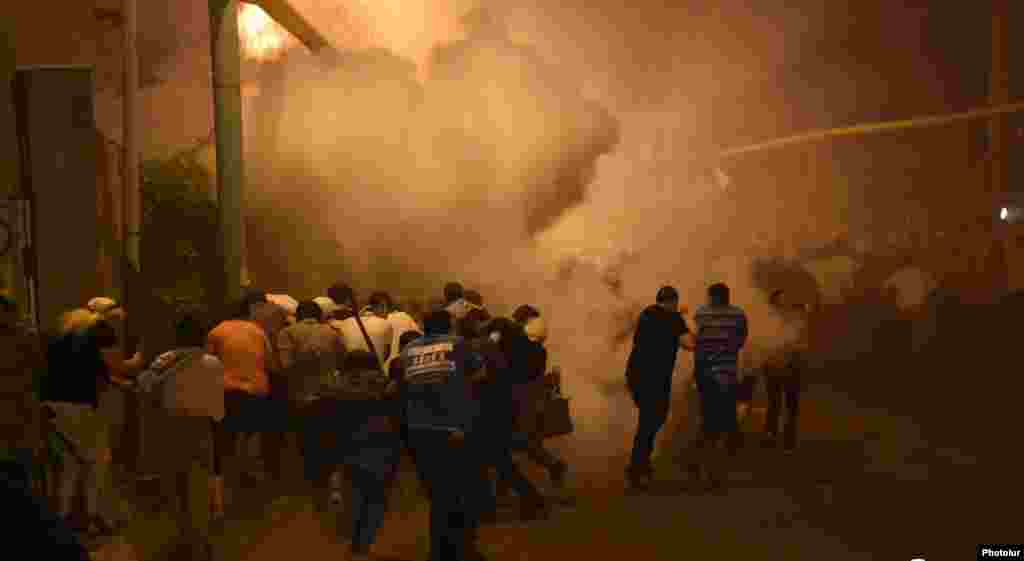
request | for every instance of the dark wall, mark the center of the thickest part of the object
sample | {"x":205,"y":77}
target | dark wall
{"x":58,"y":146}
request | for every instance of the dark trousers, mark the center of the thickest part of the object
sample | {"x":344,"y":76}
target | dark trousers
{"x":368,"y":506}
{"x":495,"y":451}
{"x":315,"y":465}
{"x":248,"y":414}
{"x":652,"y":401}
{"x":780,"y":387}
{"x":455,"y":501}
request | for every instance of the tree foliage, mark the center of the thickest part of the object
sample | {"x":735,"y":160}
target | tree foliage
{"x":179,"y":252}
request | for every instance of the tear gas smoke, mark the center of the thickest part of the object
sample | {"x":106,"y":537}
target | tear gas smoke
{"x":402,"y":173}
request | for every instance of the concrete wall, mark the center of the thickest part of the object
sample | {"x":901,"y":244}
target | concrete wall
{"x":77,"y":37}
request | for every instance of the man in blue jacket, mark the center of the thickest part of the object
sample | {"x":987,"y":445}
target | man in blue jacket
{"x":438,"y":373}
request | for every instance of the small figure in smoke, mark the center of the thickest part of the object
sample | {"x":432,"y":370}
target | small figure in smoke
{"x":721,"y":332}
{"x":660,"y":331}
{"x":784,"y":373}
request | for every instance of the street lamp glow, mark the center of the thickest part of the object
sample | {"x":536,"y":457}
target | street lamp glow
{"x":261,"y":36}
{"x":1004,"y":213}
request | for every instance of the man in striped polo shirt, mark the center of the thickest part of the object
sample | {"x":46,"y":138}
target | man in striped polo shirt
{"x":721,"y":330}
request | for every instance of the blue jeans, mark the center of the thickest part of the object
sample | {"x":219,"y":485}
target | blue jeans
{"x":652,"y":401}
{"x":368,"y":506}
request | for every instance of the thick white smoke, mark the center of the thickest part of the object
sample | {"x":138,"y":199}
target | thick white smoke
{"x":490,"y":172}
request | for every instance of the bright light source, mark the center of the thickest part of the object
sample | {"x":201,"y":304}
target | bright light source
{"x":1004,"y":213}
{"x":261,"y":37}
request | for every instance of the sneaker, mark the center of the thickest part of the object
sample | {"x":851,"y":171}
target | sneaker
{"x":789,"y":450}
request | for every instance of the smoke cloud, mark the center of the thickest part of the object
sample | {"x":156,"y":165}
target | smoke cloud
{"x":552,"y":162}
{"x":483,"y":165}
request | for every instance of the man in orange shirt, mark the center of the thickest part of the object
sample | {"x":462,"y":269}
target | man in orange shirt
{"x":244,"y":349}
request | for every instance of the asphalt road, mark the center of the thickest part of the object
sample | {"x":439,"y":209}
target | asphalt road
{"x":865,"y":484}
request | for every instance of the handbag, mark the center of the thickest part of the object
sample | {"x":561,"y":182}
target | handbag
{"x":556,"y":416}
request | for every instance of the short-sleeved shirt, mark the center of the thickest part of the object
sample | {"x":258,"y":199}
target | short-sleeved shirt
{"x":721,"y":333}
{"x":656,"y":344}
{"x":379,"y":329}
{"x":401,"y":323}
{"x":242,"y":346}
{"x":437,"y":392}
{"x":75,"y":366}
{"x":307,"y":350}
{"x":787,"y":357}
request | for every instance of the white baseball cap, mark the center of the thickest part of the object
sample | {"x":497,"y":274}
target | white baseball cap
{"x":327,"y":306}
{"x":289,"y":304}
{"x":101,"y":304}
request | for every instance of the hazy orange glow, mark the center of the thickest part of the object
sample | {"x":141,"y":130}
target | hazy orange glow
{"x":261,"y":37}
{"x":409,"y":28}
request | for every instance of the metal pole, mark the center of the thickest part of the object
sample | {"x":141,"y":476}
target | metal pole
{"x":130,"y":160}
{"x":130,"y":214}
{"x":874,"y":128}
{"x":227,"y":109}
{"x":282,"y":12}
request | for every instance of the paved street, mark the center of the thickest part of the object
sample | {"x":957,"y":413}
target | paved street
{"x":861,"y":487}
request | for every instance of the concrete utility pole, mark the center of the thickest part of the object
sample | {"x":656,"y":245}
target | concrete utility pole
{"x":227,"y":110}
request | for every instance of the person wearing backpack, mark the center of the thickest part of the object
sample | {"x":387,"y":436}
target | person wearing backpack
{"x":309,"y":350}
{"x":369,"y":449}
{"x":187,"y":386}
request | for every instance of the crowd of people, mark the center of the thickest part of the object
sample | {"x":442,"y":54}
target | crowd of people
{"x":454,"y":389}
{"x":723,"y":381}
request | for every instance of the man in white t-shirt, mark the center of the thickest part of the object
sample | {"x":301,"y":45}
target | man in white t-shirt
{"x":375,"y":320}
{"x":400,"y":321}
